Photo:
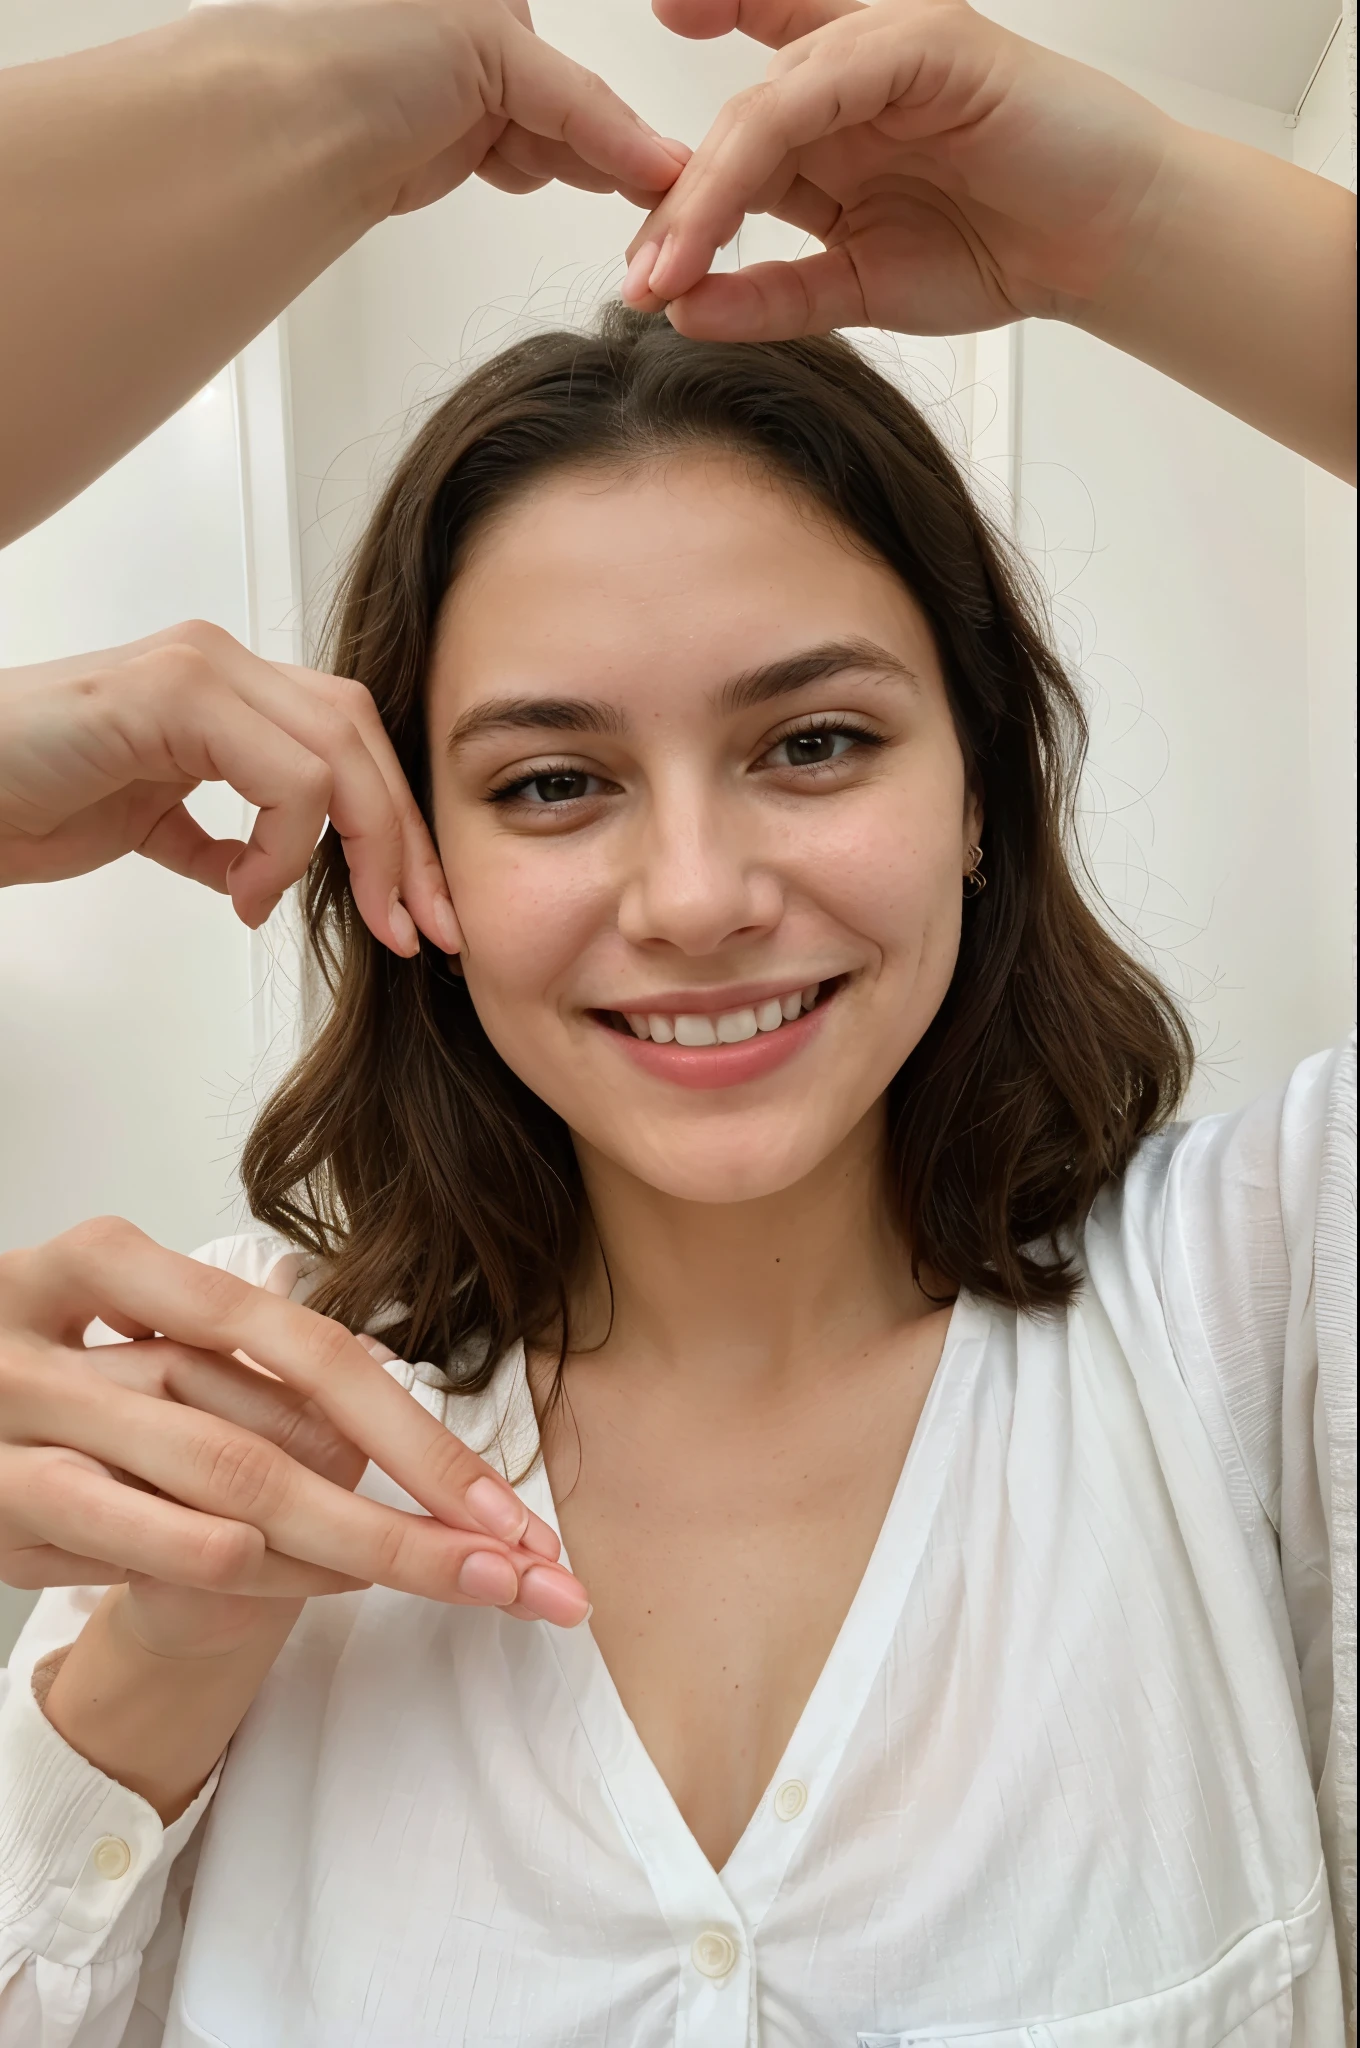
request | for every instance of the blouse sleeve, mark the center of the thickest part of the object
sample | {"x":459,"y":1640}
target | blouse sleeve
{"x":93,"y":1888}
{"x":1258,"y":1279}
{"x":88,"y":1875}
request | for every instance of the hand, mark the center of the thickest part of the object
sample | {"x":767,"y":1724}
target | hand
{"x":219,"y":1490}
{"x":98,"y":753}
{"x":471,"y":89}
{"x":957,"y":176}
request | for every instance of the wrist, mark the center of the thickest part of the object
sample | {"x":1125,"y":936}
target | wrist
{"x":154,"y":1716}
{"x":315,"y":84}
{"x":1180,"y":176}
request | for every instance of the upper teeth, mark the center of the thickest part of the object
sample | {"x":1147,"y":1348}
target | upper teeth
{"x":728,"y":1027}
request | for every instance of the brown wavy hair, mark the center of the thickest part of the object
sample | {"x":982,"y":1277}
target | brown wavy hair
{"x":441,"y":1197}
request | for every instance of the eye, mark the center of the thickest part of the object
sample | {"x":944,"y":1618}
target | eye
{"x":549,"y":786}
{"x":810,"y":749}
{"x":818,"y":746}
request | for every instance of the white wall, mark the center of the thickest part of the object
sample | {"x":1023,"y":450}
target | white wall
{"x":125,"y":1015}
{"x":1175,"y":541}
{"x":1324,"y":142}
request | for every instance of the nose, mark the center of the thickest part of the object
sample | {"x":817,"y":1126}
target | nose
{"x":696,"y":878}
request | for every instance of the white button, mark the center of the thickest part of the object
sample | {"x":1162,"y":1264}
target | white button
{"x":111,"y":1856}
{"x":714,"y":1952}
{"x":790,"y":1800}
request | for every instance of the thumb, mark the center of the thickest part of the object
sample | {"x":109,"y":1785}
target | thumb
{"x":776,"y":23}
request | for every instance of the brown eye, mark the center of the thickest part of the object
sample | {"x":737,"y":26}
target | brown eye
{"x":550,"y":787}
{"x":563,"y":788}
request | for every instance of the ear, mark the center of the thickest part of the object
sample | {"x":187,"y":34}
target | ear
{"x":973,"y":816}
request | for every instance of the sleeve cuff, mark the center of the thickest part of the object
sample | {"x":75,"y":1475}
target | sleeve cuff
{"x":83,"y":1860}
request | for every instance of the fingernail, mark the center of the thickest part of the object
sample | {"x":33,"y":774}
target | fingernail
{"x":403,"y":931}
{"x":639,"y":270}
{"x":488,"y":1579}
{"x":539,"y":1538}
{"x":496,"y":1509}
{"x":659,"y":269}
{"x":554,"y":1596}
{"x":449,"y":935}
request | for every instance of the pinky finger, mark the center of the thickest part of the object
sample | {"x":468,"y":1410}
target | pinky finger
{"x":67,"y":1501}
{"x":39,"y":1565}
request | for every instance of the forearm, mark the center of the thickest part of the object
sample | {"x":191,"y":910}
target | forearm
{"x":1241,"y":285}
{"x":156,"y":1723}
{"x":161,"y":199}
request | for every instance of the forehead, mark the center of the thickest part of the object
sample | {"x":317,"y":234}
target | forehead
{"x":679,"y":572}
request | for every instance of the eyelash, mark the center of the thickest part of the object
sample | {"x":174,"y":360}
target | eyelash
{"x":826,"y":724}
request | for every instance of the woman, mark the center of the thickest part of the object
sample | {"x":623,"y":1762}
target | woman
{"x":779,"y":1186}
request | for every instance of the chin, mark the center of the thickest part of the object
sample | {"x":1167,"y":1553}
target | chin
{"x":716,"y":1167}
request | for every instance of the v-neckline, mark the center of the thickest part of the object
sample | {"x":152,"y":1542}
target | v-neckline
{"x":683,"y":1878}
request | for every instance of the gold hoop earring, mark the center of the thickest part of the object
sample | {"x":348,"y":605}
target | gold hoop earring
{"x":974,"y":882}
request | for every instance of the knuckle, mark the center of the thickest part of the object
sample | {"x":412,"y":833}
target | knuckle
{"x":242,"y":1475}
{"x":228,"y":1554}
{"x":324,"y":1345}
{"x":309,"y":1438}
{"x":215,"y":1295}
{"x":448,"y":1462}
{"x":391,"y":1556}
{"x":354,"y":700}
{"x":756,"y":103}
{"x":174,"y":670}
{"x":312,"y":779}
{"x":102,"y":1237}
{"x":198,"y":636}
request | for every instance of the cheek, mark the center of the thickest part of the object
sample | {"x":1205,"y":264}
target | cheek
{"x":889,"y":868}
{"x":528,"y":913}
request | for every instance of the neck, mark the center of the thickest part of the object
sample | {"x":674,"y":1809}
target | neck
{"x":753,"y":1292}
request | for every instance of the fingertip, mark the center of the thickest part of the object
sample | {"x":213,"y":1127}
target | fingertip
{"x":446,"y":925}
{"x":253,"y":915}
{"x":554,"y":1595}
{"x":662,"y":269}
{"x":636,"y":283}
{"x":542,"y":1540}
{"x":405,"y":937}
{"x":488,"y":1578}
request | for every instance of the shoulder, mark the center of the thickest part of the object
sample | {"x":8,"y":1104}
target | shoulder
{"x":1238,"y":1187}
{"x":257,"y":1256}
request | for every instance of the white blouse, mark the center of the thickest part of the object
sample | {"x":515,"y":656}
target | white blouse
{"x":1074,"y":1775}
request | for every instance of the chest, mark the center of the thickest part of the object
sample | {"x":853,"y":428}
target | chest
{"x":1049,"y":1767}
{"x":722,"y":1542}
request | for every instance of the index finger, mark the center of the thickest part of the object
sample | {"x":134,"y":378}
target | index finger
{"x":554,"y":97}
{"x":111,"y":1265}
{"x":424,"y":890}
{"x":747,"y":162}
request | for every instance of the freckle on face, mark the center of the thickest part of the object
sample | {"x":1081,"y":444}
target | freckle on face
{"x":644,"y":592}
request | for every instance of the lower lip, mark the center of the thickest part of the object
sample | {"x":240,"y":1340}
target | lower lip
{"x":722,"y":1066}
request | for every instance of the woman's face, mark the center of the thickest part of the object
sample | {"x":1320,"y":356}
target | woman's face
{"x":704,"y":816}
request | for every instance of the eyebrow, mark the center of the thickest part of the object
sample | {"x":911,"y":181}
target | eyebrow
{"x":739,"y":693}
{"x":813,"y":665}
{"x":535,"y":714}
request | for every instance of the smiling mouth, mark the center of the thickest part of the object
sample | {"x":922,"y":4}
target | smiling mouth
{"x":696,"y":1030}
